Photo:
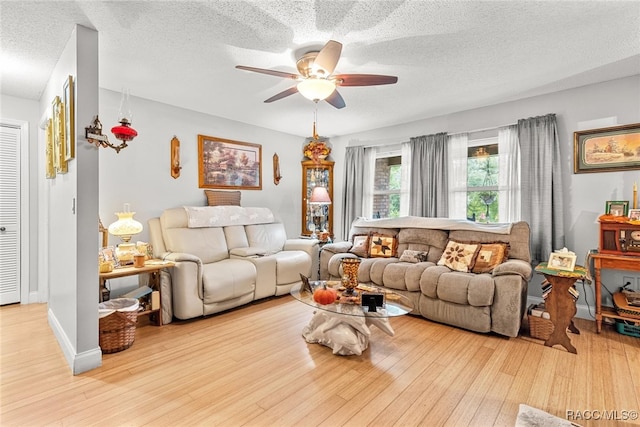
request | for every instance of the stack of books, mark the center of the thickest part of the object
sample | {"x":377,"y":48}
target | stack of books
{"x":538,"y":310}
{"x":546,"y":288}
{"x":574,"y":292}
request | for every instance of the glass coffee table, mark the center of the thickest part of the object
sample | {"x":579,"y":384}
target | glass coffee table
{"x":345,"y":324}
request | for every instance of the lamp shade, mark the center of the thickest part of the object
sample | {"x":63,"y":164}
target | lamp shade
{"x":316,"y":89}
{"x":125,"y":226}
{"x":320,"y":196}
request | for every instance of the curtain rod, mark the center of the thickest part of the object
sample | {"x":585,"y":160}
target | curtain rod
{"x":483,"y":129}
{"x":449,"y":134}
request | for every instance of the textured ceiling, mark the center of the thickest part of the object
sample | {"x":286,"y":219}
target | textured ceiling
{"x":448,"y":55}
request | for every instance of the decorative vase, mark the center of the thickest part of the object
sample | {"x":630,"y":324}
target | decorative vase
{"x":350,"y":268}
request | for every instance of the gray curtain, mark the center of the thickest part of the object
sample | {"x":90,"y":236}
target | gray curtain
{"x":541,"y":184}
{"x":353,"y":188}
{"x":429,"y":187}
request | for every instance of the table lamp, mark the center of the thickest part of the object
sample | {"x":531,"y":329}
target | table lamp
{"x":125,"y":227}
{"x":320,"y":198}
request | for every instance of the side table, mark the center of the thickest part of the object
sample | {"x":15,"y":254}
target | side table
{"x":613,"y":262}
{"x":560,"y":304}
{"x":152,"y":267}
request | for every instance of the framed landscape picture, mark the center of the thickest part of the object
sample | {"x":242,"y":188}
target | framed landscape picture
{"x":607,"y":150}
{"x":228,"y":164}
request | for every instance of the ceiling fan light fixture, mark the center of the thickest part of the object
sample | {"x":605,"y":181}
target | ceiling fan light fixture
{"x":316,"y":89}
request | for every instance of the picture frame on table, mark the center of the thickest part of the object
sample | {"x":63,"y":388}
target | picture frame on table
{"x":562,"y":261}
{"x":610,"y":149}
{"x":617,"y":207}
{"x":228,"y":164}
{"x":634,"y":214}
{"x":108,"y":254}
{"x":68,"y":102}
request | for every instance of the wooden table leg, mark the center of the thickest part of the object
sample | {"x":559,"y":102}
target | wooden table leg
{"x":562,"y":308}
{"x":598,"y":286}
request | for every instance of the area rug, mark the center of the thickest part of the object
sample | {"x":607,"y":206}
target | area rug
{"x":533,"y":417}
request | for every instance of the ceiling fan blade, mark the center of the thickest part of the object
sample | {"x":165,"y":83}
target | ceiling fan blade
{"x":269,"y":72}
{"x":328,"y":57}
{"x":283,"y":94}
{"x":364,"y":79}
{"x":336,"y":99}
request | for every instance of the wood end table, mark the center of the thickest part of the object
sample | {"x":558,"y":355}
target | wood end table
{"x":561,"y":304}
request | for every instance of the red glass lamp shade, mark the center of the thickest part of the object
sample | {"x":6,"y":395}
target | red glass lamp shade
{"x":124,"y":132}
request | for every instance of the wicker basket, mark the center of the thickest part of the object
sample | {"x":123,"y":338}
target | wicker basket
{"x":540,"y":328}
{"x":117,"y":330}
{"x":623,"y":308}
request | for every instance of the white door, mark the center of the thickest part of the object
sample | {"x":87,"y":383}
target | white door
{"x":9,"y":215}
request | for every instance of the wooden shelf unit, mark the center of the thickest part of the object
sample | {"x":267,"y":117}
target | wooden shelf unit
{"x":151,"y":267}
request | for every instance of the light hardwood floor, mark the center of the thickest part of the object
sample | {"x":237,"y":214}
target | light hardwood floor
{"x":251,"y":367}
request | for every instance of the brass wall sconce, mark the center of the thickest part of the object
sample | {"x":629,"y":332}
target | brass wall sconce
{"x":276,"y":169}
{"x":175,"y":157}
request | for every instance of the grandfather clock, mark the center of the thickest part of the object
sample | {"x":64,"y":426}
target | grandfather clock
{"x":317,"y":217}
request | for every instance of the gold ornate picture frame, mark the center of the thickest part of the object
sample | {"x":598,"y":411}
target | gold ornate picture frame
{"x":68,"y":102}
{"x":57,"y":115}
{"x":50,"y":165}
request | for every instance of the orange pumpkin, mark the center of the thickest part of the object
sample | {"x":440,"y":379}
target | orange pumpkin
{"x":325,"y":295}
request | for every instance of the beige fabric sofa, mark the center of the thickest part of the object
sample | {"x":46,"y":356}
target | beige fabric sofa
{"x":225,"y":256}
{"x":487,"y":302}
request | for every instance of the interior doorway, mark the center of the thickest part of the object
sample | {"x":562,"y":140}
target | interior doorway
{"x":10,"y":236}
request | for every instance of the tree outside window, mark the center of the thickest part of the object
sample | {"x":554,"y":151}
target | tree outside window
{"x":482,"y":183}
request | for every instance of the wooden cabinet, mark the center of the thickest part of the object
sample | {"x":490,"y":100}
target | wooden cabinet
{"x":620,"y":238}
{"x":318,"y":217}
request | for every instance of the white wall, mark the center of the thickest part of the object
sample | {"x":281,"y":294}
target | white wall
{"x":585,"y":194}
{"x":140,"y":174}
{"x":70,"y":209}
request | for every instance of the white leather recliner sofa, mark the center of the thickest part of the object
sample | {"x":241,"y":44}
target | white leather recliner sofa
{"x":225,"y":256}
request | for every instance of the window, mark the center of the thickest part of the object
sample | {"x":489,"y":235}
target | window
{"x":388,"y":192}
{"x":483,"y":167}
{"x":387,"y":186}
{"x":484,"y":177}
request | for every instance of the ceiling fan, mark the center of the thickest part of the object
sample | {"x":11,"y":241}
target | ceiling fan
{"x":316,"y":80}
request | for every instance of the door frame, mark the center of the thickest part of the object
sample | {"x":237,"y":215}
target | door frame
{"x":24,"y":225}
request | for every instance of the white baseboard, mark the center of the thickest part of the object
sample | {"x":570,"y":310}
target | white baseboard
{"x":584,"y":311}
{"x":78,"y":362}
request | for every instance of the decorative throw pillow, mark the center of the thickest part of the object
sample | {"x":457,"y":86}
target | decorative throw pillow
{"x":222,"y":198}
{"x":360,"y":245}
{"x":459,"y":256}
{"x":489,"y":256}
{"x":409,"y":255}
{"x":383,"y":246}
